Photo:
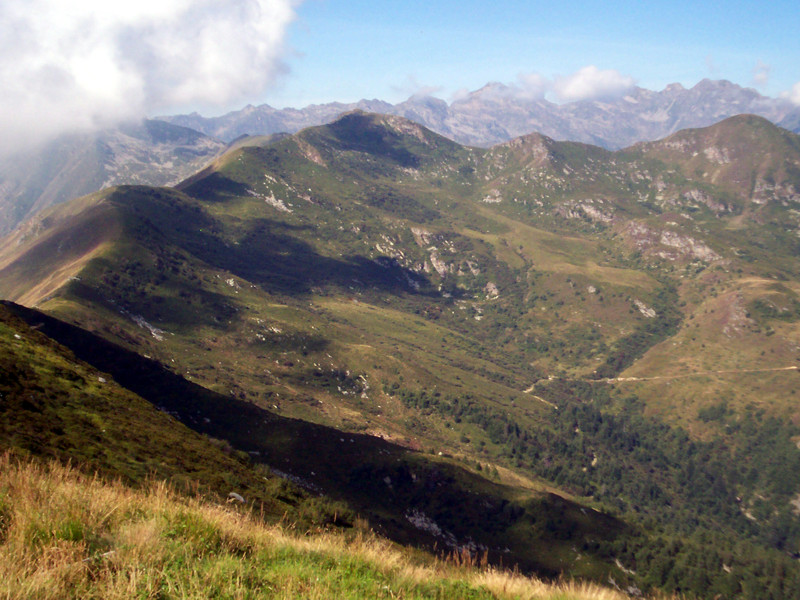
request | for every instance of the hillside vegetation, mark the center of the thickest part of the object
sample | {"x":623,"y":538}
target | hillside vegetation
{"x":67,"y":535}
{"x":429,"y":501}
{"x":56,"y":407}
{"x":162,"y":527}
{"x":590,"y":356}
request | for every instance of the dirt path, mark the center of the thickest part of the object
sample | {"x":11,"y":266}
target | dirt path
{"x":539,"y":398}
{"x":695,"y":374}
{"x":666,"y":377}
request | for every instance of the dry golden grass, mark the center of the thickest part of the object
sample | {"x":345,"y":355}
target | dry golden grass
{"x":66,"y":535}
{"x":557,"y":253}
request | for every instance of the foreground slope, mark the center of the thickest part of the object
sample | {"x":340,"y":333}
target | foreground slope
{"x":60,"y":540}
{"x":501,"y":306}
{"x":386,"y":484}
{"x":58,"y":537}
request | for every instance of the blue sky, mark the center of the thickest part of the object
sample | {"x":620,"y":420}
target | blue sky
{"x":84,"y":64}
{"x":350,"y":49}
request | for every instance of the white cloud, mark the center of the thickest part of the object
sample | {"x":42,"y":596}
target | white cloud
{"x":761,"y":74}
{"x":528,"y":87}
{"x":590,"y":83}
{"x":460,"y":94}
{"x":793,"y":95}
{"x":412,"y":88}
{"x":532,"y":86}
{"x":587,"y":83}
{"x":88,"y":63}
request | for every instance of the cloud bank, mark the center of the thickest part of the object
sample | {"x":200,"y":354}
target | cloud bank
{"x":587,"y":83}
{"x":414,"y":89}
{"x":83,"y":64}
{"x":793,"y":95}
{"x":591,"y":83}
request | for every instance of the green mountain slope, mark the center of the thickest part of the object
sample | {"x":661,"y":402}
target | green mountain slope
{"x":55,"y":521}
{"x":385,"y":483}
{"x":619,"y":325}
{"x":54,"y":406}
{"x":61,"y":540}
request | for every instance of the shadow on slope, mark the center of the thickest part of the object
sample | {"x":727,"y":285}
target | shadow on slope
{"x":410,"y":497}
{"x":270,"y":253}
{"x":55,"y":407}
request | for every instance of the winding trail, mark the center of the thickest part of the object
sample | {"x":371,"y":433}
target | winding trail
{"x":694,"y":374}
{"x":539,"y":398}
{"x":665,"y":377}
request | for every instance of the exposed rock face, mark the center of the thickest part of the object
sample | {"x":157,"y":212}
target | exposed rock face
{"x":585,"y":209}
{"x":493,"y":197}
{"x":734,"y":318}
{"x":407,"y":127}
{"x":764,"y":191}
{"x":666,"y":244}
{"x":698,"y":196}
{"x":717,"y":155}
{"x":644,"y":309}
{"x":310,"y":152}
{"x":687,"y":246}
{"x":441,"y":267}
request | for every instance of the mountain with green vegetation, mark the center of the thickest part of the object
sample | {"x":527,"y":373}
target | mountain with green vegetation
{"x":352,"y":470}
{"x":586,"y":358}
{"x":61,"y":540}
{"x":55,"y":406}
{"x":135,"y":507}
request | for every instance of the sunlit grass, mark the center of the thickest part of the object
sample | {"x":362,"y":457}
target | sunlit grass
{"x":64,"y":534}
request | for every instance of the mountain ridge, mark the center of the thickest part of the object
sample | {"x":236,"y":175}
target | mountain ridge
{"x":147,"y":153}
{"x":497,"y":113}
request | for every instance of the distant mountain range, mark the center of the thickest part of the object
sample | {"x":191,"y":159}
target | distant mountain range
{"x":497,"y":113}
{"x":166,"y":150}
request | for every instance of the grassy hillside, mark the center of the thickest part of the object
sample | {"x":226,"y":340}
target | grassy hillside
{"x":618,"y":327}
{"x":66,"y":535}
{"x":510,"y":523}
{"x":54,"y":406}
